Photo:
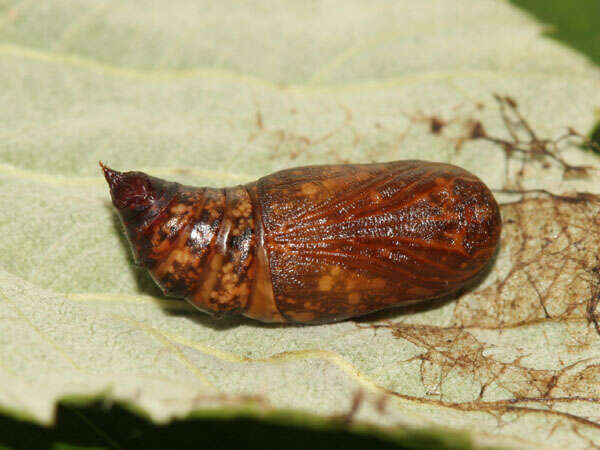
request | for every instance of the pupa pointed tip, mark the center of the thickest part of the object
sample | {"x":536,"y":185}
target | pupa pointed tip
{"x":111,"y":176}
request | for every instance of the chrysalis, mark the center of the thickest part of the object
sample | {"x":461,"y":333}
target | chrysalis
{"x":312,"y":244}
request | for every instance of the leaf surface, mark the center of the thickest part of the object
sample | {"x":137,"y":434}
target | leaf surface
{"x":222,"y":93}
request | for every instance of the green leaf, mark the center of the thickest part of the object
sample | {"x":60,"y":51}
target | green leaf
{"x":222,"y":93}
{"x":102,"y":426}
{"x":574,"y":23}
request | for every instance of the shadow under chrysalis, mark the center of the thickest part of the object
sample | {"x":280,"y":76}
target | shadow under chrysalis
{"x":312,"y":244}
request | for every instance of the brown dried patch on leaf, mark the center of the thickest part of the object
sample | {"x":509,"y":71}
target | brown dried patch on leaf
{"x":452,"y":350}
{"x":520,"y":139}
{"x":553,"y":393}
{"x":582,"y":383}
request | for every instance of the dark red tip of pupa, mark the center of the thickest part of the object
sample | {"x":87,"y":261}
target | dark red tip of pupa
{"x":131,"y":190}
{"x":140,"y":199}
{"x":112,"y":176}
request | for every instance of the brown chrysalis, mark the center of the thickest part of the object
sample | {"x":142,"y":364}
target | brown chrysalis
{"x":312,"y":244}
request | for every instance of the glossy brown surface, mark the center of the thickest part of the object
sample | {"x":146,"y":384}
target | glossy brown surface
{"x":312,"y":244}
{"x":347,"y":240}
